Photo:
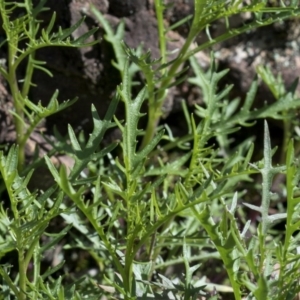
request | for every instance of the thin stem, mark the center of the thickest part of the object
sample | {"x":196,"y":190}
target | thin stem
{"x":291,"y":200}
{"x":22,"y":271}
{"x":30,"y":252}
{"x":154,"y":112}
{"x":98,"y":228}
{"x":36,"y":266}
{"x":196,"y":258}
{"x":153,"y":228}
{"x":155,"y":253}
{"x":159,"y":7}
{"x":287,"y":134}
{"x":19,"y":107}
{"x":28,"y":76}
{"x":267,"y":174}
{"x":106,"y":242}
{"x":224,"y":251}
{"x":8,"y":281}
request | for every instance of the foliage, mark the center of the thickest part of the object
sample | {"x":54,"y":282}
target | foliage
{"x":159,"y":79}
{"x":152,"y":201}
{"x":23,"y":39}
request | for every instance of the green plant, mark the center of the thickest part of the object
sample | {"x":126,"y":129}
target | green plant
{"x":160,"y":200}
{"x":159,"y":79}
{"x":149,"y":195}
{"x":23,"y":39}
{"x":21,"y":231}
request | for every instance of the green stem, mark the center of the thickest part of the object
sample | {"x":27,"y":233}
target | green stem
{"x":37,"y":267}
{"x":154,"y":112}
{"x":98,"y":228}
{"x":159,"y":7}
{"x":261,"y":239}
{"x":291,"y":200}
{"x":133,"y":230}
{"x":155,"y":253}
{"x":104,"y":239}
{"x":225,"y":252}
{"x":11,"y":77}
{"x":194,"y":258}
{"x":287,"y":134}
{"x":19,"y":108}
{"x":266,"y":186}
{"x":127,"y":280}
{"x":22,"y":273}
{"x":30,"y":252}
{"x":8,"y":281}
{"x":28,"y":76}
